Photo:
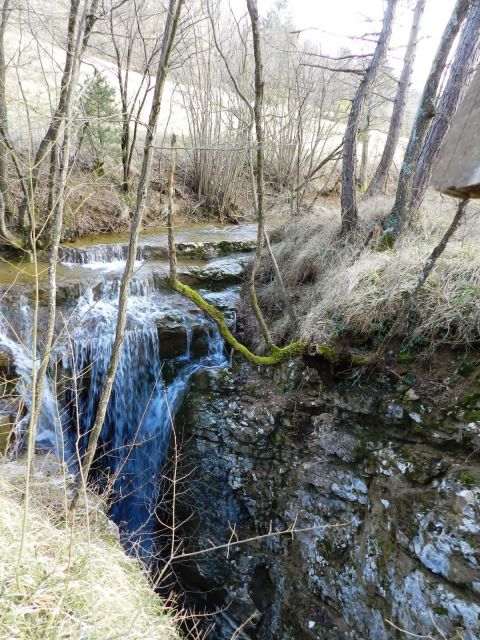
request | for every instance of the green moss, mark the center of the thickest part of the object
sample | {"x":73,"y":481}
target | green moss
{"x":326,"y":351}
{"x":404,"y":357}
{"x":472,"y":416}
{"x":276,"y":356}
{"x":470,"y":400}
{"x":440,"y":611}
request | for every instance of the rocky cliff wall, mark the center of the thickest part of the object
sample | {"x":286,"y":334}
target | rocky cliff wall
{"x":381,"y":473}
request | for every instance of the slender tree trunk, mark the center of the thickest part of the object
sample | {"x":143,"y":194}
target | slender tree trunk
{"x":349,"y":197}
{"x":172,"y":252}
{"x":258,"y":107}
{"x":276,"y":268}
{"x":362,"y":174}
{"x":379,"y":180}
{"x":5,"y":203}
{"x":171,"y":23}
{"x":251,"y":112}
{"x":465,"y":60}
{"x":76,"y":32}
{"x":425,"y":113}
{"x":3,"y":115}
{"x":58,"y":117}
{"x":52,"y":179}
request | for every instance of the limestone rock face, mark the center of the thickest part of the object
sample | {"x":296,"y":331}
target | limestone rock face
{"x":382,"y":485}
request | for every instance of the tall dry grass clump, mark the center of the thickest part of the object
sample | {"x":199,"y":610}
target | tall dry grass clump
{"x":74,"y":581}
{"x":344,"y":289}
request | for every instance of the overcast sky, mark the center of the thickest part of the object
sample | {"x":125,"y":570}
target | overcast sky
{"x":332,"y":21}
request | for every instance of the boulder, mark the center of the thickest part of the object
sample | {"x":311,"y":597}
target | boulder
{"x":173,"y":341}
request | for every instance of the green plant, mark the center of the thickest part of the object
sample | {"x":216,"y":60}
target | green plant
{"x":466,"y":479}
{"x":100,"y":130}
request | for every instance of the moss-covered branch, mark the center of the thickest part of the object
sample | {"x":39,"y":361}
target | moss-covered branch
{"x":276,"y":355}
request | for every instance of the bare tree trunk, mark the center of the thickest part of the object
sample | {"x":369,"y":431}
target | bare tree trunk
{"x":465,"y":60}
{"x":3,"y":115}
{"x":52,"y":179}
{"x":348,"y":197}
{"x":171,"y":23}
{"x":362,"y":174}
{"x":5,"y":204}
{"x":425,"y":113}
{"x":58,"y":117}
{"x":259,"y":84}
{"x":77,"y":33}
{"x":172,"y":253}
{"x":379,"y":180}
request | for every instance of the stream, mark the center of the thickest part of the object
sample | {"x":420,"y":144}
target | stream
{"x":167,"y":340}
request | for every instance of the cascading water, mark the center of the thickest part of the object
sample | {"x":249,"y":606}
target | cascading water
{"x":136,"y":434}
{"x":166,"y":341}
{"x":105,"y":253}
{"x":18,"y":343}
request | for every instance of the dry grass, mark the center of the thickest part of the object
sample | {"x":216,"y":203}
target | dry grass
{"x":343,"y":290}
{"x":75,"y":581}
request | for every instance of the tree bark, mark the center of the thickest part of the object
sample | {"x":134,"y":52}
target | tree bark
{"x":171,"y":23}
{"x":362,"y":176}
{"x":3,"y":115}
{"x":53,"y":131}
{"x":258,"y":107}
{"x":425,"y":113}
{"x":466,"y":59}
{"x":172,"y":252}
{"x":379,"y":180}
{"x":348,"y":196}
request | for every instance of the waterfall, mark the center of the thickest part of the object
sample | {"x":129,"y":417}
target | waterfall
{"x":135,"y":437}
{"x":18,"y":343}
{"x":167,"y":340}
{"x":99,"y":253}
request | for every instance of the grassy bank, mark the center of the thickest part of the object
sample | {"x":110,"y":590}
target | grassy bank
{"x":74,"y":580}
{"x":348,"y":291}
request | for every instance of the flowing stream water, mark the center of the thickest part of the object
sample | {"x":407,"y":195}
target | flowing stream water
{"x":167,"y":340}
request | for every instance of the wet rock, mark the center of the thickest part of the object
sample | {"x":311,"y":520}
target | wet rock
{"x":172,"y":340}
{"x":223,"y":270}
{"x":199,"y":340}
{"x":389,"y":521}
{"x":6,"y":362}
{"x":209,"y":250}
